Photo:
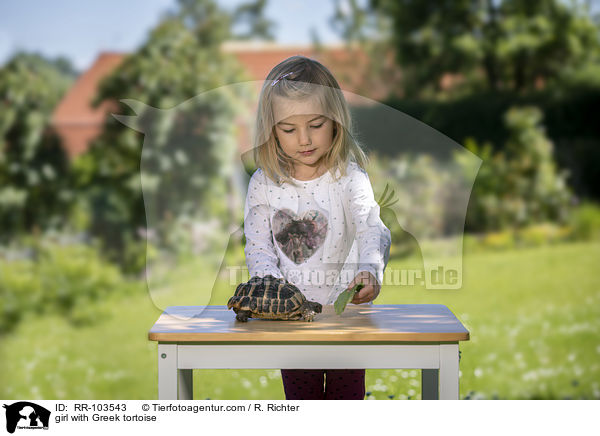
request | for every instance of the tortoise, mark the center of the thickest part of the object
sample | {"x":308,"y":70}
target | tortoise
{"x":270,"y":297}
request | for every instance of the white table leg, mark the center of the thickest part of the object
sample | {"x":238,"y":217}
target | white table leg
{"x":429,"y":384}
{"x":167,"y":371}
{"x":449,"y":371}
{"x":186,"y":384}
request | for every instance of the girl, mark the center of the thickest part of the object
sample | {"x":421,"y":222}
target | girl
{"x":310,"y":216}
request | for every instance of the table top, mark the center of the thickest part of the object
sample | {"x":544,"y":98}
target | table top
{"x":358,"y":323}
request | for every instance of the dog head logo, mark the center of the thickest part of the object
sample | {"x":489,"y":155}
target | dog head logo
{"x":183,"y":175}
{"x":26,"y":415}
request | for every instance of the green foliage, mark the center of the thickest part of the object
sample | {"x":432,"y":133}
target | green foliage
{"x":19,"y":291}
{"x":534,"y":235}
{"x":585,"y":76}
{"x":585,"y":222}
{"x":56,"y":278}
{"x":503,"y":239}
{"x":349,"y":20}
{"x":514,"y":42}
{"x":185,"y":149}
{"x":533,"y":175}
{"x":567,"y":109}
{"x":542,"y":234}
{"x":569,"y":112}
{"x":521,"y":185}
{"x":252,"y":15}
{"x":34,"y":188}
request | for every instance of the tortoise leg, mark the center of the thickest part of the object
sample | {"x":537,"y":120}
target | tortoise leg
{"x":242,"y":315}
{"x":308,"y":314}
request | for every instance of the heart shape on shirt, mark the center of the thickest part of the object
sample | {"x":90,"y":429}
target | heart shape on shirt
{"x":299,"y":237}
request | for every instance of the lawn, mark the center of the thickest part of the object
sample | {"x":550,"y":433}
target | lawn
{"x":533,"y":314}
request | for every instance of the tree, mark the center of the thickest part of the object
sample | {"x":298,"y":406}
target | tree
{"x":181,"y":59}
{"x":361,"y":29}
{"x":350,"y":20}
{"x":34,"y":191}
{"x":252,"y":15}
{"x":521,"y":184}
{"x":513,"y":42}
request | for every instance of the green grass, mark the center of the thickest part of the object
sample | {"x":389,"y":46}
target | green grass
{"x":534,"y":318}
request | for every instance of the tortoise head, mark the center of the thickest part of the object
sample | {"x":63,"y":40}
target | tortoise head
{"x":310,"y":309}
{"x":308,"y":313}
{"x":317,"y":307}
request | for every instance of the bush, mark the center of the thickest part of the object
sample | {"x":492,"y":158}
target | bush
{"x":66,"y":279}
{"x":499,"y":240}
{"x":34,"y":167}
{"x":569,"y":109}
{"x":585,"y":222}
{"x":19,"y":291}
{"x":521,"y":185}
{"x":71,"y":275}
{"x":542,"y":234}
{"x":534,"y":235}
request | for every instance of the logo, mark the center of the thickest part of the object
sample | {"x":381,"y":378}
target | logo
{"x":26,"y":415}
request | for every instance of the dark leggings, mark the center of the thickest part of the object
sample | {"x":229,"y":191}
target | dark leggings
{"x":323,"y":384}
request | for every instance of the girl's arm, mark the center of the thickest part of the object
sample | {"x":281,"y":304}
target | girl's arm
{"x":261,"y":257}
{"x":372,"y":236}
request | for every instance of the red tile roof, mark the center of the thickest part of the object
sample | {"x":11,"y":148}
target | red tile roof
{"x":75,"y":107}
{"x":78,"y":123}
{"x":75,"y":120}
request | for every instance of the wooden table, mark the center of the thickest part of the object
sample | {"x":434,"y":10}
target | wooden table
{"x":423,"y":336}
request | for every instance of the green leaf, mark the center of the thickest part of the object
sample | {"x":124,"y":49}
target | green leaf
{"x":389,"y":198}
{"x":345,"y":297}
{"x":380,"y":201}
{"x":388,"y":216}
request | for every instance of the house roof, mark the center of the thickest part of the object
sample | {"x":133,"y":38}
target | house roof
{"x":258,"y":59}
{"x":78,"y":123}
{"x":75,"y":107}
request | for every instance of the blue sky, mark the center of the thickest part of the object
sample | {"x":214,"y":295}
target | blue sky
{"x":80,"y":30}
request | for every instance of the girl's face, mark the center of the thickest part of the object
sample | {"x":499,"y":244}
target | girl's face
{"x":304,"y":134}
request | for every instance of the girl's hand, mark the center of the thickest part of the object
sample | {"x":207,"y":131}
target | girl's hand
{"x":369,"y":292}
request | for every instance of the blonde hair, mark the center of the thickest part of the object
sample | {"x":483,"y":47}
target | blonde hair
{"x":299,"y":77}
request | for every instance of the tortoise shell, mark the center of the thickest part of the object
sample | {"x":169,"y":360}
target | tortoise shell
{"x":269,"y":297}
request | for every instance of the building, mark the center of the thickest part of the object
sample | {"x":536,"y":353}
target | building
{"x":78,"y":123}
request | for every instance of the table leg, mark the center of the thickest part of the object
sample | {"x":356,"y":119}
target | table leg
{"x":429,"y":384}
{"x":449,"y":371}
{"x":185,"y":382}
{"x":167,"y":371}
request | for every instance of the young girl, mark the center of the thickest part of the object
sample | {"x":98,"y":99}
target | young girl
{"x":310,"y":215}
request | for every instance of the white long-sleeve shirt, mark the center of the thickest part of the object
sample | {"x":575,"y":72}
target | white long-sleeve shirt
{"x":318,"y":236}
